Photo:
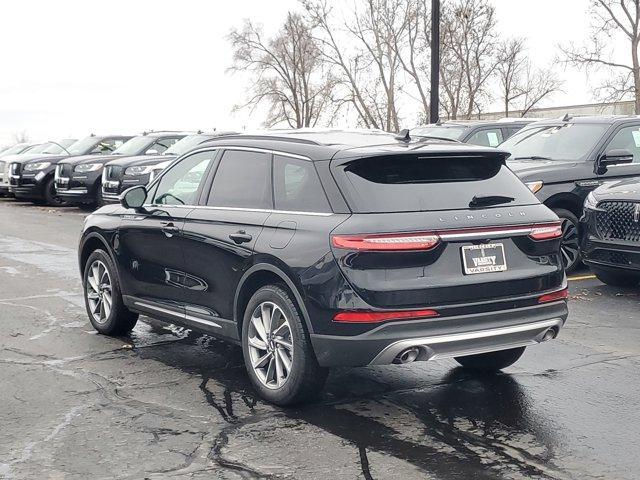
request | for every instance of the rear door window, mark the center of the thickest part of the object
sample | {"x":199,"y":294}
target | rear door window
{"x":242,"y":180}
{"x":410,"y":183}
{"x":297,"y":187}
{"x":488,"y":137}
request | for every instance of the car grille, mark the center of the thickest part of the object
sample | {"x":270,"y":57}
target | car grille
{"x":613,"y":257}
{"x":112,"y":172}
{"x":618,"y":221}
{"x":15,"y":168}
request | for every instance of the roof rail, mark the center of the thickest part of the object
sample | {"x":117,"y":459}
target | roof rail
{"x":148,"y":132}
{"x":278,"y":138}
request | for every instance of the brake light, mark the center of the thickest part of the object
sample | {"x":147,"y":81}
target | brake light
{"x":388,"y":242}
{"x":546,"y":232}
{"x":377,"y":317}
{"x":554,"y":296}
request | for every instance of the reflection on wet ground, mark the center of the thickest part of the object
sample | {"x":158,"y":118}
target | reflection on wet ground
{"x":167,"y":402}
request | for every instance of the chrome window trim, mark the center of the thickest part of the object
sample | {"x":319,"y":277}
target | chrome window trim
{"x":241,"y":209}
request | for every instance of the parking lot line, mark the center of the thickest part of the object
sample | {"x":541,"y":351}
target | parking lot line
{"x":581,"y":277}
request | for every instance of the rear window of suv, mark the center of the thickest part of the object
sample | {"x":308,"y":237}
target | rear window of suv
{"x":413,"y":183}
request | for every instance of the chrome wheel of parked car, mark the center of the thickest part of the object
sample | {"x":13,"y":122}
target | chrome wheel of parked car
{"x":99,"y":292}
{"x":270,"y":345}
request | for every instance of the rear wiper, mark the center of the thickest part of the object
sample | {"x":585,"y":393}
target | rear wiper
{"x":532,"y":157}
{"x":479,"y":202}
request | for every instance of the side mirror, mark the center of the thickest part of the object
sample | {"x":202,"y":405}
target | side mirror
{"x":153,"y":151}
{"x":616,"y":156}
{"x":134,"y":197}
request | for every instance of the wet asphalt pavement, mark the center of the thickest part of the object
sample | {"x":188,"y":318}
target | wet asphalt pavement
{"x":171,"y":403}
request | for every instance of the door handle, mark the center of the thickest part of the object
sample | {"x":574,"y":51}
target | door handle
{"x":169,"y":229}
{"x":240,"y":237}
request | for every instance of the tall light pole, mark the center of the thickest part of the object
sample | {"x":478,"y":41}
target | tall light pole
{"x":435,"y":62}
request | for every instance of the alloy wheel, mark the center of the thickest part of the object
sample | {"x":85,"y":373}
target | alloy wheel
{"x":270,"y":345}
{"x":99,"y":292}
{"x":569,"y":245}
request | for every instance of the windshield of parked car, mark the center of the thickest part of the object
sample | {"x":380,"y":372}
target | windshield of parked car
{"x":40,"y":148}
{"x":57,"y":148}
{"x":454,"y":133}
{"x":569,"y":141}
{"x":83,"y":146}
{"x":186,"y":144}
{"x":135,"y":146}
{"x":19,"y":148}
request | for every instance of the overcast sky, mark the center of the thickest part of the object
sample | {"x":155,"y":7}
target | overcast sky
{"x":72,"y":67}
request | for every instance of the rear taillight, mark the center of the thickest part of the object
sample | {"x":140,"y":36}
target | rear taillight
{"x":546,"y":232}
{"x":377,"y":317}
{"x":554,"y":296}
{"x":388,"y":242}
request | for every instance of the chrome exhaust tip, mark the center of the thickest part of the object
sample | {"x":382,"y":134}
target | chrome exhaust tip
{"x":407,"y":356}
{"x":550,"y":334}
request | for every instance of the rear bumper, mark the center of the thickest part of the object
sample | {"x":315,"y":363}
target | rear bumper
{"x":442,"y":337}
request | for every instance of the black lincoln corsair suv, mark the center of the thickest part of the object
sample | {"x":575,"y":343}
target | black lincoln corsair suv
{"x":320,"y":249}
{"x":562,"y":160}
{"x":78,"y":180}
{"x":127,"y":172}
{"x":610,"y":233}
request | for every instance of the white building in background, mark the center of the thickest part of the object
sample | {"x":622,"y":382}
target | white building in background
{"x":613,"y":108}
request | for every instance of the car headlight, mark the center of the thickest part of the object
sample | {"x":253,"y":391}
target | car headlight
{"x":534,"y":186}
{"x":33,"y":167}
{"x":139,"y":170}
{"x":87,"y":167}
{"x":158,"y":170}
{"x":591,"y":202}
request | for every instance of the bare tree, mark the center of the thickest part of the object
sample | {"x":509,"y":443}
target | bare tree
{"x":412,"y":44}
{"x":539,"y":83}
{"x":609,"y":18}
{"x":289,"y":72}
{"x":361,"y":49}
{"x":522,"y":85}
{"x":21,"y":137}
{"x":468,"y":57}
{"x":511,"y":64}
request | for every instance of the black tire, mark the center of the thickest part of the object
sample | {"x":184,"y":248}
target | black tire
{"x":616,"y":279}
{"x":120,"y":320}
{"x":305,"y":378}
{"x":50,"y":195}
{"x":99,"y":200}
{"x":492,"y":361}
{"x":570,"y":241}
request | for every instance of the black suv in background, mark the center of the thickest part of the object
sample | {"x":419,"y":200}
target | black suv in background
{"x":21,"y":152}
{"x":33,"y":179}
{"x":610,"y":233}
{"x":562,"y":160}
{"x":315,"y":250}
{"x":123,"y":173}
{"x":476,"y":132}
{"x":78,"y":180}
